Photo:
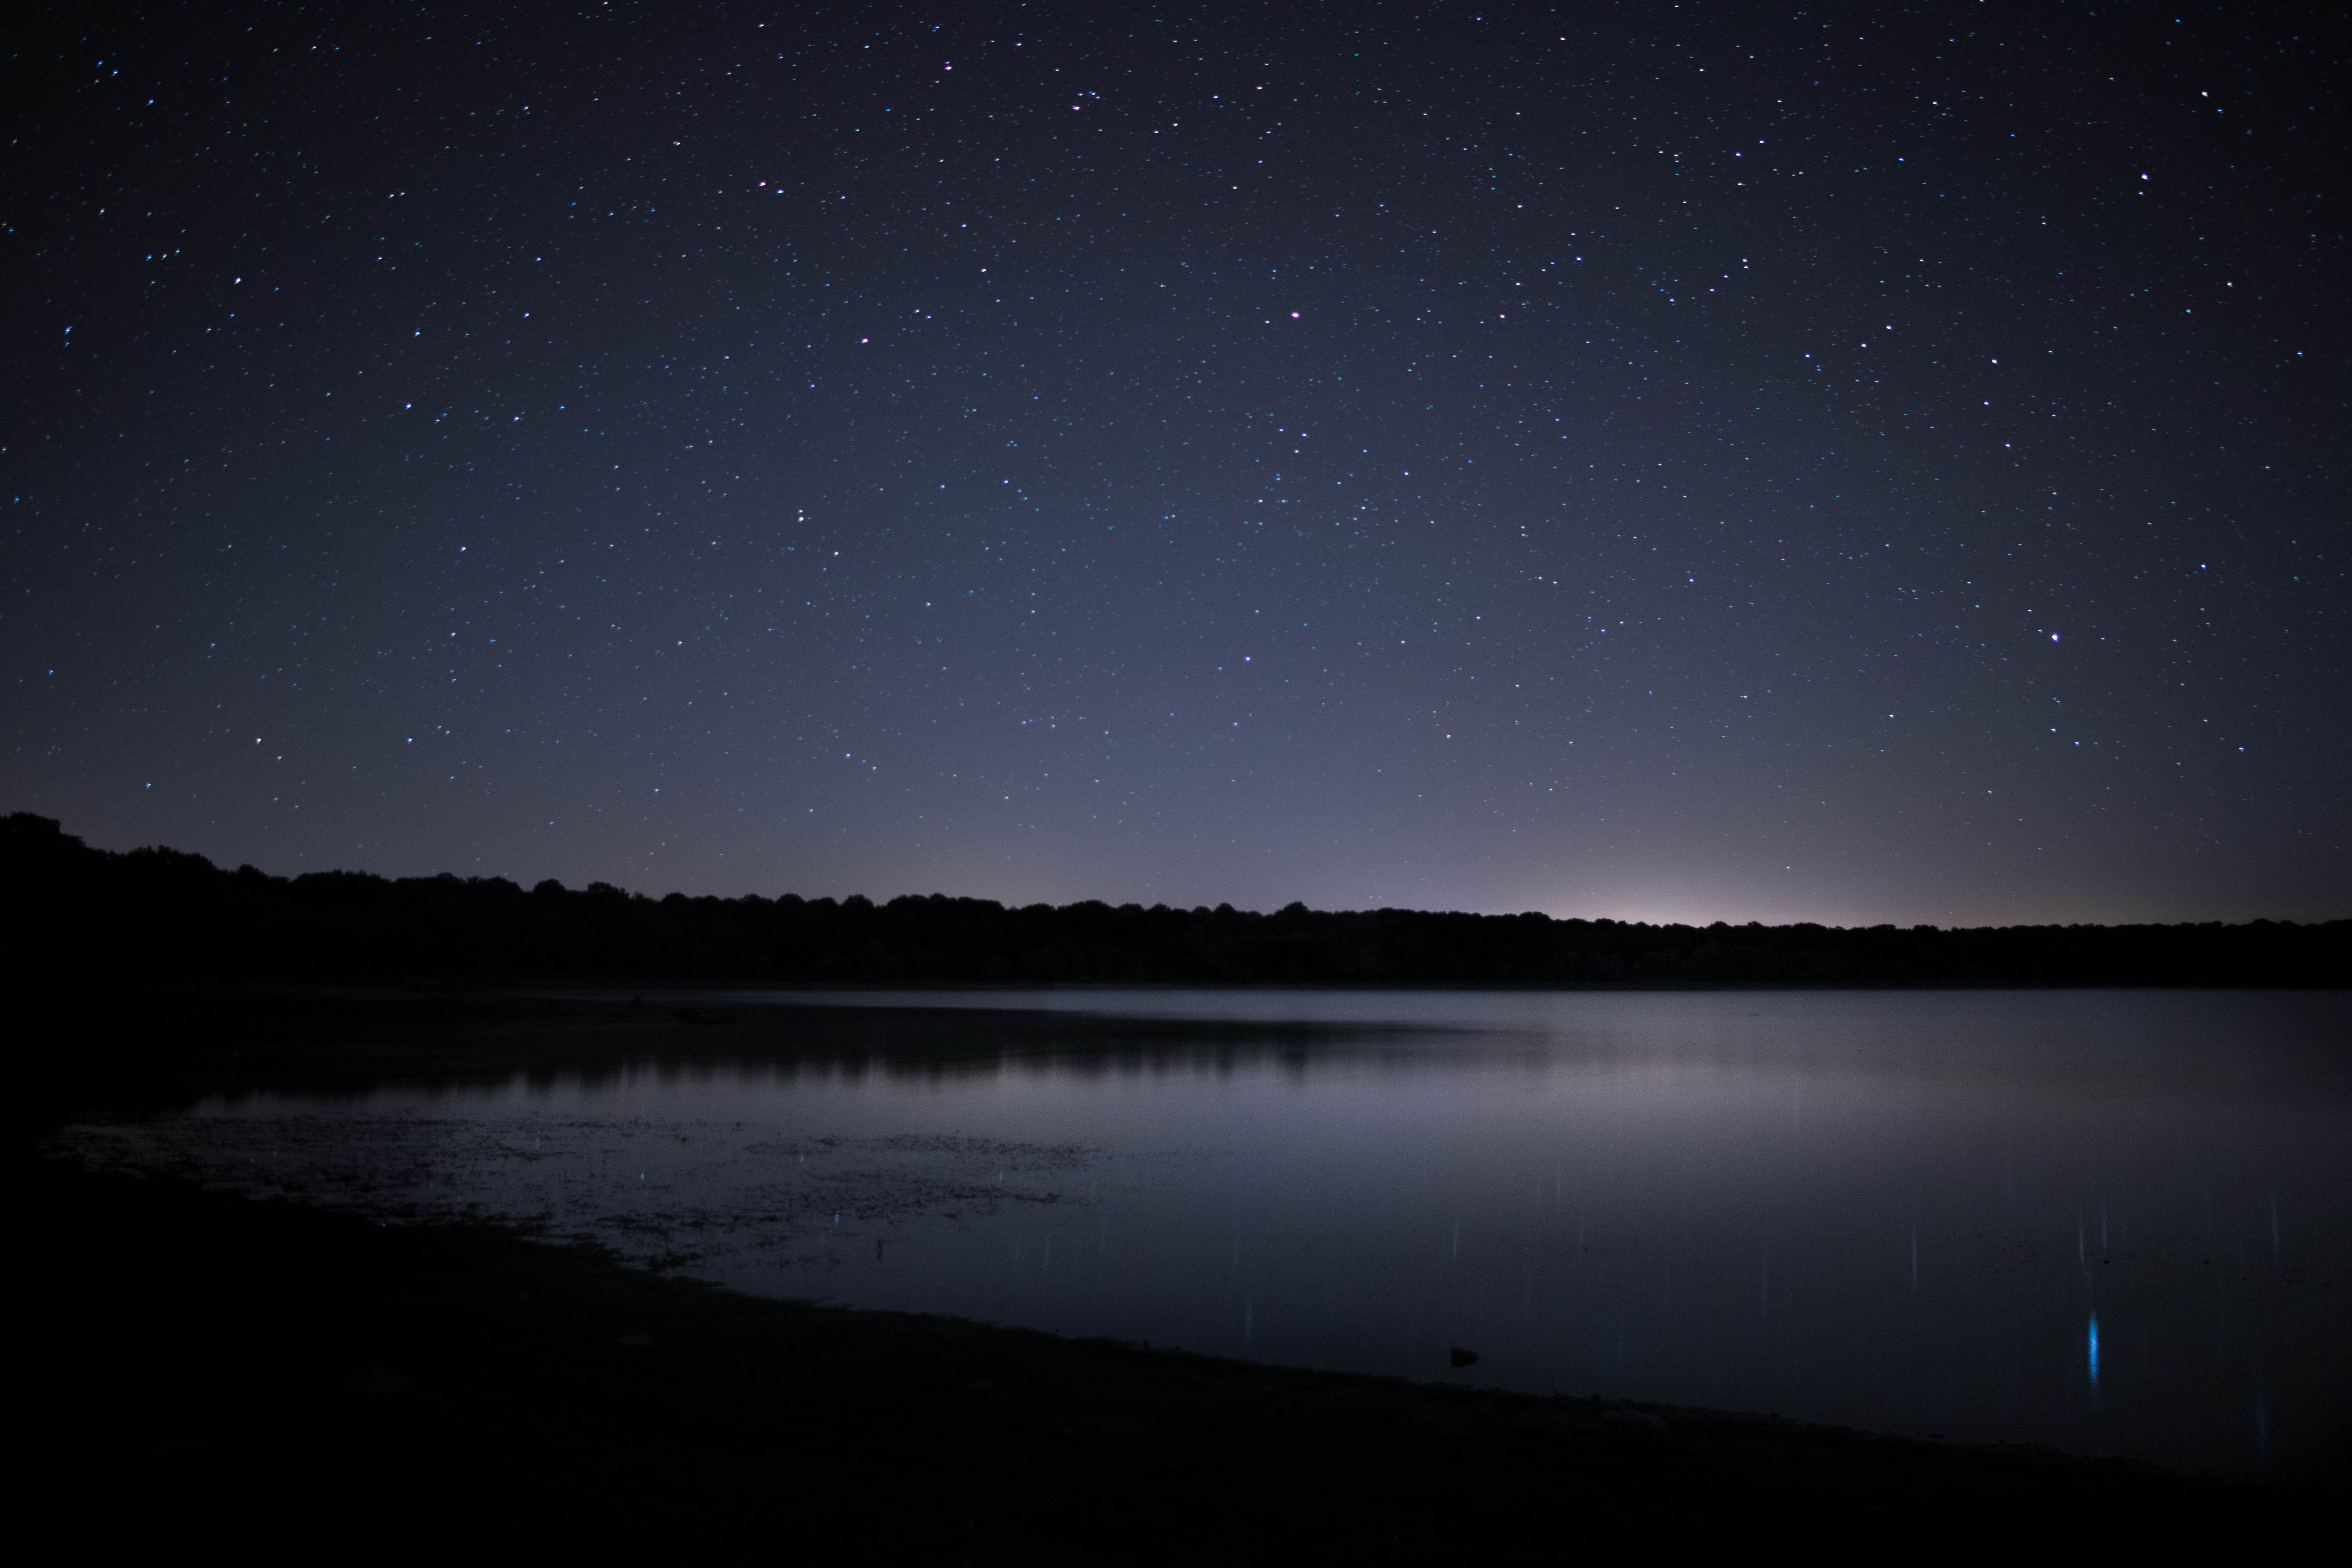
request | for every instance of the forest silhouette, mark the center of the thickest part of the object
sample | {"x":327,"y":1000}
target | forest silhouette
{"x":164,"y":914}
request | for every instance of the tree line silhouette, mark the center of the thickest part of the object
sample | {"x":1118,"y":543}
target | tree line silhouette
{"x":159,"y":913}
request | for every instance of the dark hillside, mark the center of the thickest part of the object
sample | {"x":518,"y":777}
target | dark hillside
{"x":160,"y":914}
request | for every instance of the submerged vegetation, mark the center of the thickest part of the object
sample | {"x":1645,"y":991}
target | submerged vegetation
{"x":161,"y":913}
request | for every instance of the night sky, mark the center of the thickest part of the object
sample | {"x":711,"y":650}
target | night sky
{"x":1758,"y":462}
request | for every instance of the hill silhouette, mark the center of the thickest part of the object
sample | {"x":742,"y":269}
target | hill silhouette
{"x":160,"y":914}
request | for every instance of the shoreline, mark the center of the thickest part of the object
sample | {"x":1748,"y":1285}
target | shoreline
{"x":330,"y":1347}
{"x":191,"y":1338}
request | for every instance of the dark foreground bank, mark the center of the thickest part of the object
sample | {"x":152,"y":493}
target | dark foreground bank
{"x":198,"y":1354}
{"x":201,"y":1363}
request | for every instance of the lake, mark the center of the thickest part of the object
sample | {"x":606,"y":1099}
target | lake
{"x":2112,"y":1221}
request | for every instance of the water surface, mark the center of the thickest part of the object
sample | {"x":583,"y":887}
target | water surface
{"x":2110,"y":1221}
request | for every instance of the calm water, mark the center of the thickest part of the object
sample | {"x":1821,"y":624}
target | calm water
{"x":2115,"y":1222}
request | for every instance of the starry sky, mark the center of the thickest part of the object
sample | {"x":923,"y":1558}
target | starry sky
{"x":1848,"y":463}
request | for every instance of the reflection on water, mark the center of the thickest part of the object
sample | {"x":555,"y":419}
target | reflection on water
{"x":2109,"y":1221}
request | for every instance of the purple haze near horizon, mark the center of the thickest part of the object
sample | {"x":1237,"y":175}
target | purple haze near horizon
{"x":1669,"y":463}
